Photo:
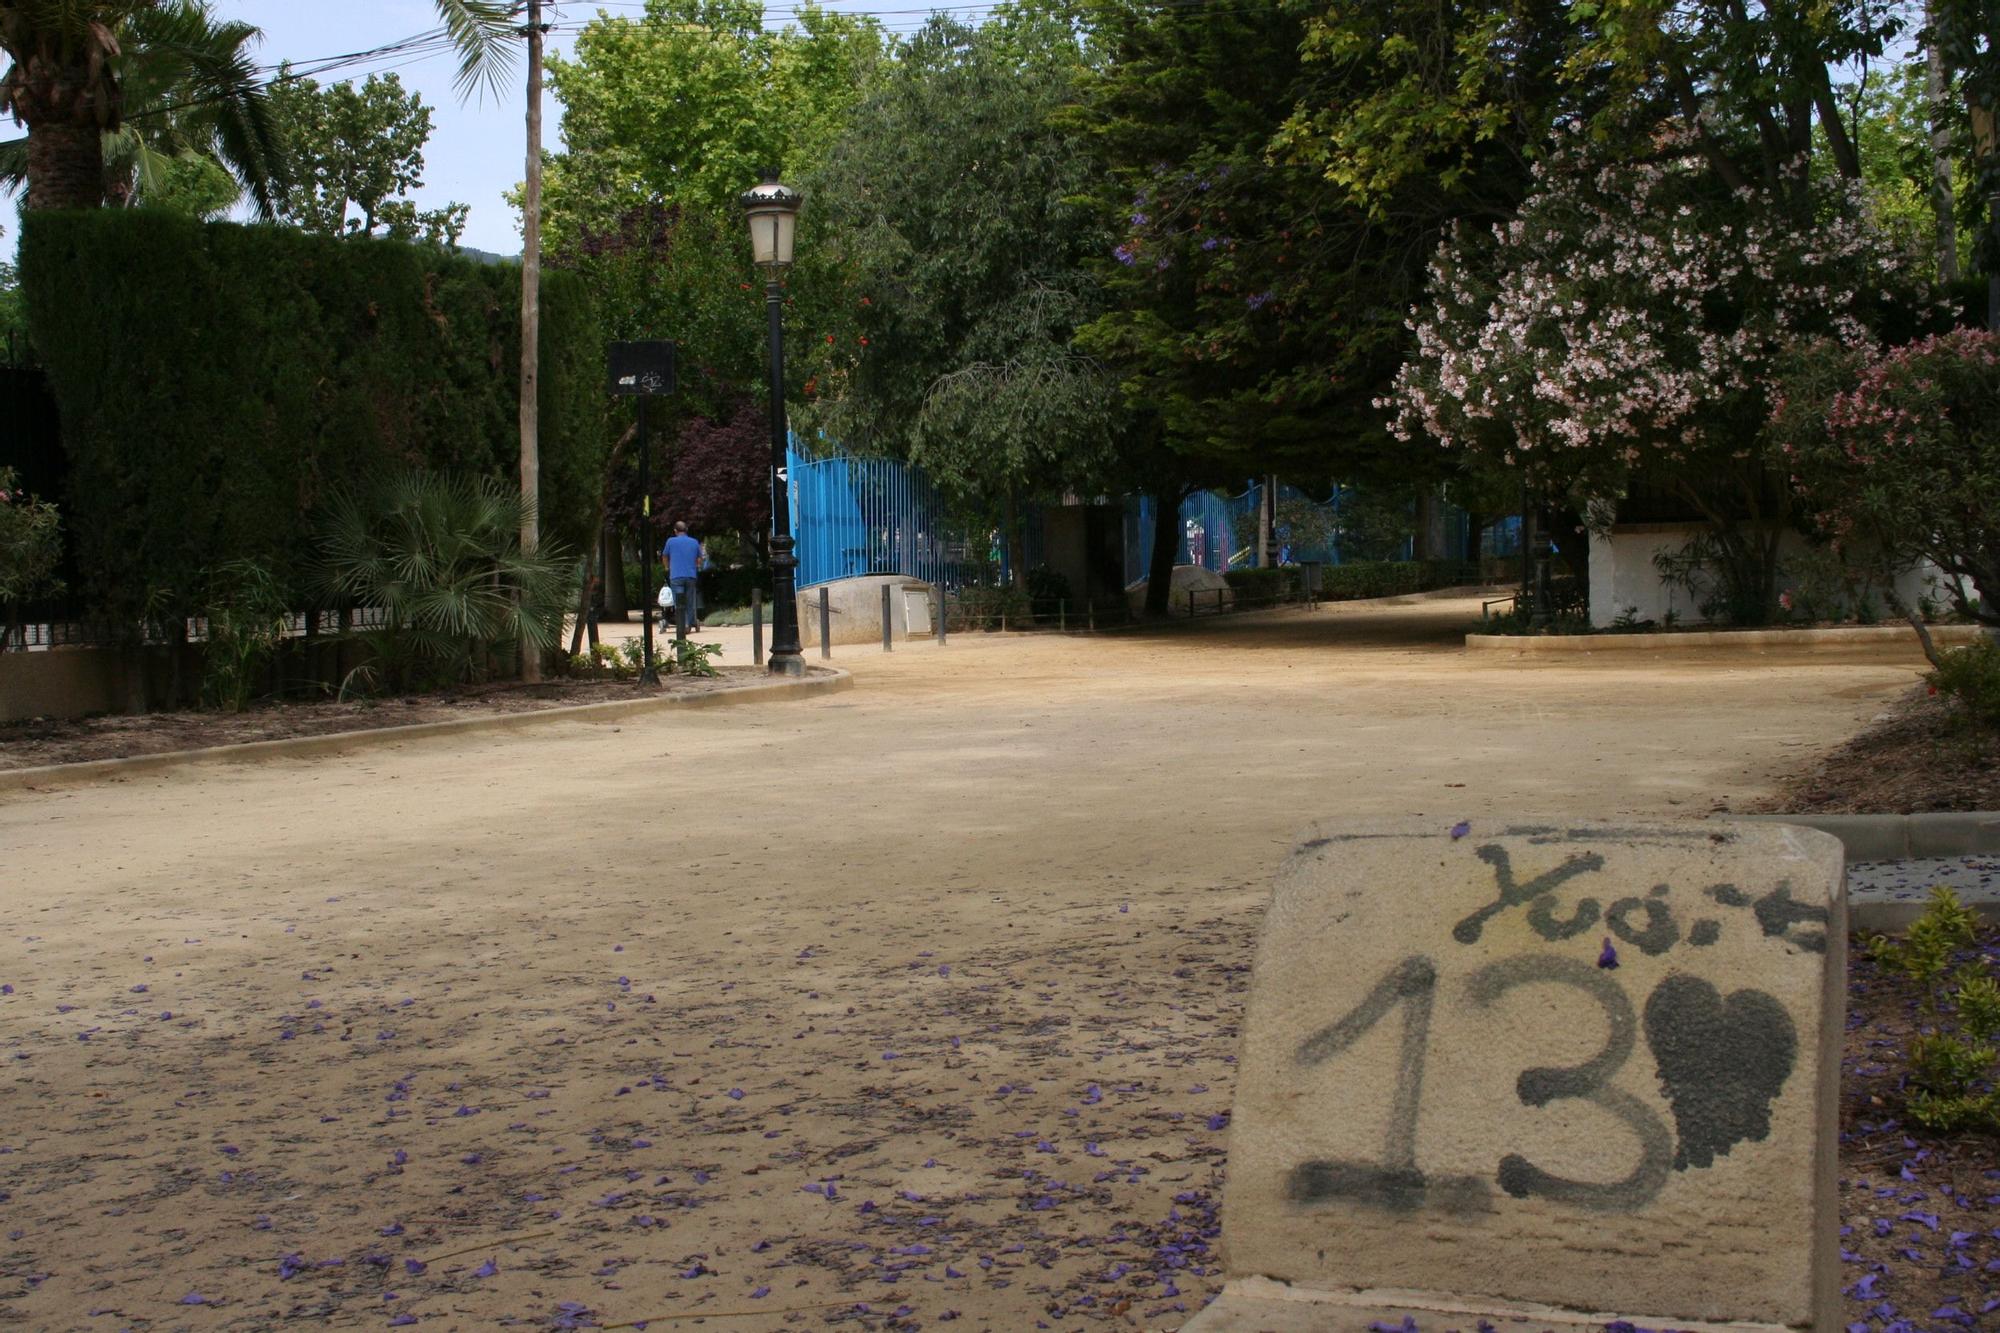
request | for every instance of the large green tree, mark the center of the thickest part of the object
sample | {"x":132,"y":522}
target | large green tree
{"x":357,"y":152}
{"x":953,"y":205}
{"x":668,"y":115}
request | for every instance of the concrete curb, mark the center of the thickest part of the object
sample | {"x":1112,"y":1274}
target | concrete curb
{"x":824,"y":680}
{"x":1901,"y":837}
{"x":1751,"y":640}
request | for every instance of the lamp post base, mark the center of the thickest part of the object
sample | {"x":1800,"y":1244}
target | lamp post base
{"x":788,"y":664}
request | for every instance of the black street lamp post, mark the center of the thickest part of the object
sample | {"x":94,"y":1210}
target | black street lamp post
{"x":773,"y":211}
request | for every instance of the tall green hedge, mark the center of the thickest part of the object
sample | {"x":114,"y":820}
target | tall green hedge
{"x":217,"y":382}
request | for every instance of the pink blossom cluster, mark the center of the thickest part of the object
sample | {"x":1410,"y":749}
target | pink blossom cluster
{"x":1631,"y":310}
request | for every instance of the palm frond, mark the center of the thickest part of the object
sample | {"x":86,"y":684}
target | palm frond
{"x":483,"y":31}
{"x":192,"y":85}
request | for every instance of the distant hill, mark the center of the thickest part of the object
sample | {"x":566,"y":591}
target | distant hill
{"x":487,"y":256}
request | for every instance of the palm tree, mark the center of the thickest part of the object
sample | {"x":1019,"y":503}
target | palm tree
{"x":165,"y":77}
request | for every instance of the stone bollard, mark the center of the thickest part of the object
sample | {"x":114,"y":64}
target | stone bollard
{"x":1541,"y":1074}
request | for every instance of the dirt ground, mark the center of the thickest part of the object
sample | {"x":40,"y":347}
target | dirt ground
{"x":1919,"y":755}
{"x":910,"y":1006}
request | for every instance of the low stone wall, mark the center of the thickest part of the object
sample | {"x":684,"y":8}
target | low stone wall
{"x":62,"y":683}
{"x":854,"y":608}
{"x":1871,"y":637}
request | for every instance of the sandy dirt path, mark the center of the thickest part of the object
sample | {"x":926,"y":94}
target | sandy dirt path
{"x":911,"y":1006}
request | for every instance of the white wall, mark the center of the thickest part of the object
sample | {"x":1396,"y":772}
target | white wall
{"x":1623,"y":576}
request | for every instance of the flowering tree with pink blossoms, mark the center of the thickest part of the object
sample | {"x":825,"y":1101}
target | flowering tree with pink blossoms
{"x":1628,"y":323}
{"x":1899,"y":453}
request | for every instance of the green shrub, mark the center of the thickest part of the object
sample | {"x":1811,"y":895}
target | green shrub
{"x":30,"y":543}
{"x":1391,"y":578}
{"x":246,"y":615}
{"x":694,"y":659}
{"x":1971,"y":675}
{"x":1951,"y":1070}
{"x":603,"y":659}
{"x":218,"y":383}
{"x":1266,"y":587}
{"x":440,"y":557}
{"x":989,"y":608}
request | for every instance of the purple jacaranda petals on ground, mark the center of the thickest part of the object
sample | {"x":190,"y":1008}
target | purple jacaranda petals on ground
{"x":1124,"y":907}
{"x":760,"y":1247}
{"x":261,"y":1224}
{"x":472,"y":1159}
{"x":1092,"y":1095}
{"x":702,"y":1177}
{"x":1864,"y":1289}
{"x":642,"y":1143}
{"x":1460,"y":829}
{"x":1043,"y":1145}
{"x":140,"y":989}
{"x":414,"y":1267}
{"x":6,"y":989}
{"x":1926,"y":1219}
{"x":890,"y":1055}
{"x":487,"y":1269}
{"x":760,"y":1293}
{"x":537,"y":1094}
{"x":1219,"y":1121}
{"x":290,"y":1266}
{"x":194,"y":1298}
{"x":466,"y":1110}
{"x":735,"y":1094}
{"x":65,"y":1008}
{"x":1607,"y":956}
{"x":403,"y":1320}
{"x":696,"y":1271}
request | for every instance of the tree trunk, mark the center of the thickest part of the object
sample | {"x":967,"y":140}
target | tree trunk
{"x":1017,"y":554}
{"x":617,"y":605}
{"x":1166,"y":543}
{"x":65,"y":166}
{"x":1943,"y":200}
{"x":531,"y":321}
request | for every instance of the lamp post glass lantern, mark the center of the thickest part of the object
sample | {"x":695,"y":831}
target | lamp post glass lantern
{"x":773,"y":213}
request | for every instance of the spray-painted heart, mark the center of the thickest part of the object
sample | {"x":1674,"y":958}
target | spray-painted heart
{"x":1721,"y":1063}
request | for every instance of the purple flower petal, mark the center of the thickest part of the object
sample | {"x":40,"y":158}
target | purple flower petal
{"x":487,"y":1269}
{"x":1607,"y":956}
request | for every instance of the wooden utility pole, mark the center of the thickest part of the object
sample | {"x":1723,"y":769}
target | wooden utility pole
{"x":531,"y":320}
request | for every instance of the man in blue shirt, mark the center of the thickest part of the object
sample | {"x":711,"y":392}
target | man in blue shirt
{"x":682,"y":557}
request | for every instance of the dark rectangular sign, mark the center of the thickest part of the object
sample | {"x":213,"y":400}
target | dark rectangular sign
{"x":641,"y":369}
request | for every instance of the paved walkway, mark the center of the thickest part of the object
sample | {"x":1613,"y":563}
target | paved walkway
{"x":1975,"y":879}
{"x":918,"y":998}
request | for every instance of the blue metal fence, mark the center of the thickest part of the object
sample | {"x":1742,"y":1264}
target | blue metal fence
{"x":1219,"y":532}
{"x":855,"y":516}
